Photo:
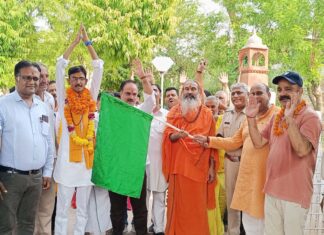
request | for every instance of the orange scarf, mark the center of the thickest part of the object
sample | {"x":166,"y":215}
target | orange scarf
{"x":76,"y":150}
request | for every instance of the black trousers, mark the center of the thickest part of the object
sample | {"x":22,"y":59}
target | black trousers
{"x":119,"y":206}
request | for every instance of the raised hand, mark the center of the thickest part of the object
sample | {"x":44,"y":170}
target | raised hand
{"x":84,"y":34}
{"x":138,"y":68}
{"x":148,"y":73}
{"x":78,"y":36}
{"x":252,"y":109}
{"x":202,"y":66}
{"x":183,"y":77}
{"x":291,"y":105}
{"x":74,"y":43}
{"x":223,"y":78}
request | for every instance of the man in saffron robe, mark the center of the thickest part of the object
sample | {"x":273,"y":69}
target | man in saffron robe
{"x":187,"y":166}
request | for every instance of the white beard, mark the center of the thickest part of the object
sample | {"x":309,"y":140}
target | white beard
{"x":190,"y":105}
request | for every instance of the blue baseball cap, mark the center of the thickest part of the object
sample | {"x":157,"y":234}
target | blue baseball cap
{"x":291,"y":77}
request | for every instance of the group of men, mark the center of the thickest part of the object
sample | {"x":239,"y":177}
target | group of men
{"x":245,"y":157}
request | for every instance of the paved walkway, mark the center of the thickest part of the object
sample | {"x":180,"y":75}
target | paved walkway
{"x":315,"y":219}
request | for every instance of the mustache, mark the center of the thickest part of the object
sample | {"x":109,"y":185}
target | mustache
{"x":284,"y":97}
{"x":189,"y":96}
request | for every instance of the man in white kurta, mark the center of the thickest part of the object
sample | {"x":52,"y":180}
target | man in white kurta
{"x":156,"y":183}
{"x":43,"y":222}
{"x":73,"y":175}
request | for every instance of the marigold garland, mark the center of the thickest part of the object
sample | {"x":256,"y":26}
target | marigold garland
{"x":276,"y":127}
{"x":80,"y":103}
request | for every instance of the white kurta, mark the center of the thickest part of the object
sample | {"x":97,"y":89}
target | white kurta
{"x":155,"y":178}
{"x":68,"y":173}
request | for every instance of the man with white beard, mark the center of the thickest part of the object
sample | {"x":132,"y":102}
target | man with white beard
{"x":187,"y":166}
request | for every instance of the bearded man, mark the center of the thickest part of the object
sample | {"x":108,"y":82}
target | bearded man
{"x":187,"y":166}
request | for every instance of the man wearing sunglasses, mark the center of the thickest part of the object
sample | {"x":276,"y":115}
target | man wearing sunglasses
{"x":26,"y":156}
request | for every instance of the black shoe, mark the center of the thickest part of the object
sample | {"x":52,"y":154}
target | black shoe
{"x":158,"y":233}
{"x":150,"y":229}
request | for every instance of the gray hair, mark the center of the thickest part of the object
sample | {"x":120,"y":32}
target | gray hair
{"x":220,"y":92}
{"x":241,"y":86}
{"x":211,"y":98}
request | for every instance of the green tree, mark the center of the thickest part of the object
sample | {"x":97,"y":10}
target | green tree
{"x":120,"y":29}
{"x":16,"y":27}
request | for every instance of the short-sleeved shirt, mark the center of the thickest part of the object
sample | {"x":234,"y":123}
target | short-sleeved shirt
{"x":288,"y":176}
{"x":231,"y":122}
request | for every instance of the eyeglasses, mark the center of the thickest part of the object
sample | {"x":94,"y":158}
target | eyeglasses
{"x":82,"y":79}
{"x":29,"y":78}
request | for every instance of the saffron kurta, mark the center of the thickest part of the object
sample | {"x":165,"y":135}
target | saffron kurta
{"x":248,"y":195}
{"x":185,"y":166}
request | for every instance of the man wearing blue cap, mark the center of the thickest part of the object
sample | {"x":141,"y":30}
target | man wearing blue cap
{"x":293,"y":136}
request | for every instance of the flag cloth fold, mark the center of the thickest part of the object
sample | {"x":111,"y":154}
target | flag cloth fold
{"x":121,"y":147}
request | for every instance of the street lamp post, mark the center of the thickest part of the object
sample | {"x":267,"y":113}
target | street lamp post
{"x":162,"y":64}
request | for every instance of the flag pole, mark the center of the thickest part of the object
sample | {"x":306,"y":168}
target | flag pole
{"x":169,"y":125}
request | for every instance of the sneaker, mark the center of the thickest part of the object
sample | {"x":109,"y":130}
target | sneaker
{"x":133,"y":229}
{"x":125,"y":228}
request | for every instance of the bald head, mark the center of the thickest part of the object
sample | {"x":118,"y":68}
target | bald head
{"x":262,"y":94}
{"x":261,"y":86}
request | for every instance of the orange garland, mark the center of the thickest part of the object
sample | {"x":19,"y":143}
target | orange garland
{"x":276,"y":127}
{"x":79,"y":103}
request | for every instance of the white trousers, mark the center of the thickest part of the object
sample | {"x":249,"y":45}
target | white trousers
{"x":158,"y":210}
{"x":252,"y":225}
{"x":284,"y":217}
{"x":64,"y":197}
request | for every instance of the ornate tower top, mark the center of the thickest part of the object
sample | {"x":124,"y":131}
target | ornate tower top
{"x":255,"y":42}
{"x":253,"y":60}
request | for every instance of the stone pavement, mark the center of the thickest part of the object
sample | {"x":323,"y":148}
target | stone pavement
{"x":315,"y":219}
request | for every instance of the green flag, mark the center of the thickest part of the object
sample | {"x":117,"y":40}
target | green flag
{"x":121,"y":147}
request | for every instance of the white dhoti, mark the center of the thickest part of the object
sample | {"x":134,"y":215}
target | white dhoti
{"x":99,"y":211}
